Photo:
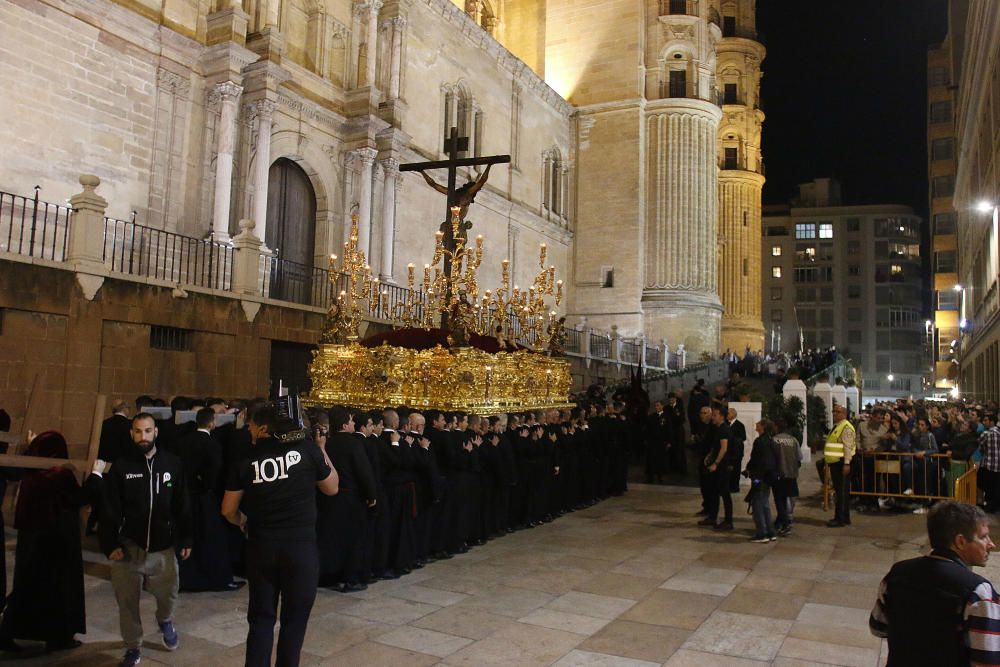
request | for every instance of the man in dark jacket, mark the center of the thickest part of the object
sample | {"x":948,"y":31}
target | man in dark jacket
{"x":210,"y":568}
{"x":145,"y":517}
{"x":935,"y":610}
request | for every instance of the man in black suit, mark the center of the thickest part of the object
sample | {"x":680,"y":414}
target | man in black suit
{"x":657,"y":443}
{"x":210,"y":567}
{"x":737,"y":438}
{"x":115,"y":442}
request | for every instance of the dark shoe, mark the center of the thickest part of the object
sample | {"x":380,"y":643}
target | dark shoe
{"x":701,"y":513}
{"x":63,"y":645}
{"x":131,"y":658}
{"x":724,"y":525}
{"x":233,"y":586}
{"x":763,"y":539}
{"x":784,"y":531}
{"x":834,"y":523}
{"x":707,"y":522}
{"x":170,"y":639}
{"x":354,"y":588}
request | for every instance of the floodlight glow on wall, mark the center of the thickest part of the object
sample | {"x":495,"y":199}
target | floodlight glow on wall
{"x":985,"y":206}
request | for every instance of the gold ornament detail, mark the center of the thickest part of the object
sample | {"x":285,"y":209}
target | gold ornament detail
{"x":464,"y":379}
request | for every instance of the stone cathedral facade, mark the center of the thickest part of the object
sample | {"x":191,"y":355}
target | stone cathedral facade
{"x":633,"y":126}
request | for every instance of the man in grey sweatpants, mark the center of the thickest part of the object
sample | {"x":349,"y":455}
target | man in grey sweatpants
{"x":145,"y":519}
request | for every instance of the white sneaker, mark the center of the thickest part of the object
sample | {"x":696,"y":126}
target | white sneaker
{"x":884,"y":503}
{"x":908,"y":492}
{"x":920,"y":510}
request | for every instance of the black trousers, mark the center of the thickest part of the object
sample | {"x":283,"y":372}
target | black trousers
{"x":285,"y":570}
{"x":841,"y":492}
{"x":989,"y":481}
{"x":718,"y":488}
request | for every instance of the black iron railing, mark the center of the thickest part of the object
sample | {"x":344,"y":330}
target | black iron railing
{"x":285,"y":280}
{"x":32,"y":227}
{"x":654,"y":357}
{"x":600,"y":346}
{"x":631,"y":351}
{"x":137,"y":250}
{"x":574,"y":340}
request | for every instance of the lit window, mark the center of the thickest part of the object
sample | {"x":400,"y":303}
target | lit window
{"x":896,"y":269}
{"x":805,"y":230}
{"x":776,"y":251}
{"x":826,"y":230}
{"x":775,"y":271}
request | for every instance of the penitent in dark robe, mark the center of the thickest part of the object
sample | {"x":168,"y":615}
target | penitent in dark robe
{"x":46,"y":602}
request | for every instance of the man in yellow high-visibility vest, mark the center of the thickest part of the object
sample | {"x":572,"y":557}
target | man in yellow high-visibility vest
{"x":837,"y":454}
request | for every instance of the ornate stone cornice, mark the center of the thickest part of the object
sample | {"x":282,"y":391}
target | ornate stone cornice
{"x":482,"y":40}
{"x":309,"y":110}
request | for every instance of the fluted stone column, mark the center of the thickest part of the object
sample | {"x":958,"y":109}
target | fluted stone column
{"x":680,"y":292}
{"x":371,"y":45}
{"x":366,"y":160}
{"x":395,"y":64}
{"x":740,"y":259}
{"x":390,"y":171}
{"x":229,"y":95}
{"x":264,"y":110}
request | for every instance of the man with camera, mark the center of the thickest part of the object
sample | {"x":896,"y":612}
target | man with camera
{"x":271,"y":496}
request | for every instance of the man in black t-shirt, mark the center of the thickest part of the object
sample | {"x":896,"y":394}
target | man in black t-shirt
{"x":717,"y":470}
{"x":271,"y":496}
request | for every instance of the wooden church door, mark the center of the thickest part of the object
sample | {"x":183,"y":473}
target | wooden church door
{"x":291,"y":231}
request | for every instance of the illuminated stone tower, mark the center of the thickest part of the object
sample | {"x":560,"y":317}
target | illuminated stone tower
{"x":741,"y":176}
{"x":646,"y":245}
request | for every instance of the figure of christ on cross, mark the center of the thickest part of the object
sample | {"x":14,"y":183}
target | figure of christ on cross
{"x":461,"y":197}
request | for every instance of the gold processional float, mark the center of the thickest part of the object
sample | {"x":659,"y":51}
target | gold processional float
{"x":452,"y":348}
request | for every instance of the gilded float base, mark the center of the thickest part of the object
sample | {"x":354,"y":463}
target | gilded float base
{"x":461,"y":379}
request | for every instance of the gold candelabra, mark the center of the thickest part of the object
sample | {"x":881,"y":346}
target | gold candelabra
{"x":527,"y":308}
{"x":449,"y":286}
{"x":361,"y":291}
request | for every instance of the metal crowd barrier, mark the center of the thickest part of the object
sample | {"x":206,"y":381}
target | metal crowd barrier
{"x":927,"y":477}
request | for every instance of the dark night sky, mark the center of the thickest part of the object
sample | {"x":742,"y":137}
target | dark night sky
{"x":844,"y":93}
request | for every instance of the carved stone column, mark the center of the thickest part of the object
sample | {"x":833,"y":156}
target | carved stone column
{"x":229,"y":94}
{"x":371,"y":45}
{"x":390,"y":171}
{"x":366,"y":160}
{"x":395,"y":64}
{"x":264,"y":110}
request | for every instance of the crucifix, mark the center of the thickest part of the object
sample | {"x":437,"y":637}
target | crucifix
{"x":461,"y":197}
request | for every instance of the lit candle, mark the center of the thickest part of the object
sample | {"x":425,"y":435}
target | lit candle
{"x":479,"y":241}
{"x":559,"y":284}
{"x":409,"y":274}
{"x":541,"y":255}
{"x":427,"y":277}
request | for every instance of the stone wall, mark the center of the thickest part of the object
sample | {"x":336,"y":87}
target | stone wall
{"x":58,"y":350}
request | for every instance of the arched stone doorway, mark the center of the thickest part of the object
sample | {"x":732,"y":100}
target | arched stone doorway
{"x":291,"y":231}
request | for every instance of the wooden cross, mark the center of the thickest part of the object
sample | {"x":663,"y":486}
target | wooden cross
{"x":461,"y":197}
